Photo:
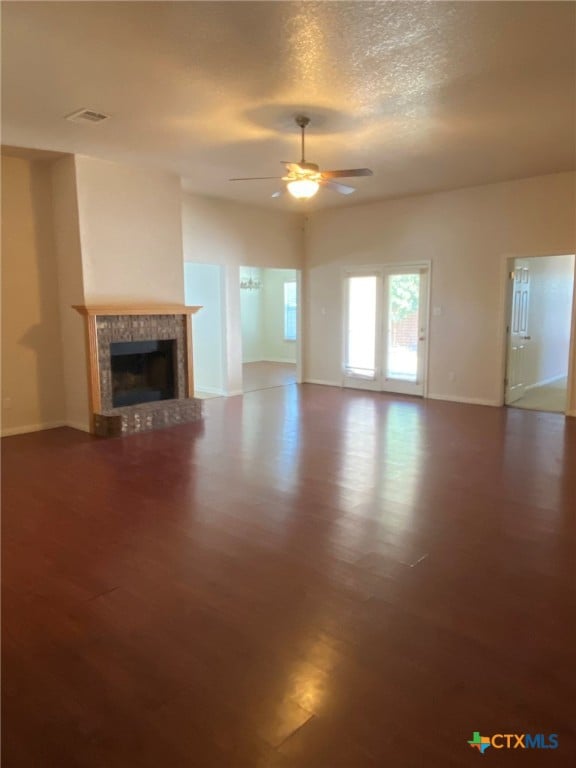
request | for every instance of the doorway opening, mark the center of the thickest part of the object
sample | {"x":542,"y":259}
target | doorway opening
{"x":538,"y":332}
{"x":270,"y":328}
{"x":386,"y":328}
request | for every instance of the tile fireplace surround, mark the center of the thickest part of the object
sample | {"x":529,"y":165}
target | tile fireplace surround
{"x":108,"y":324}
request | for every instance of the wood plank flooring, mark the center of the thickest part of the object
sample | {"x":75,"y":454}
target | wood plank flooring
{"x":313,"y":578}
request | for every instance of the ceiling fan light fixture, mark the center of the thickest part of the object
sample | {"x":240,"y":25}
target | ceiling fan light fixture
{"x":303,"y":189}
{"x":304,"y":178}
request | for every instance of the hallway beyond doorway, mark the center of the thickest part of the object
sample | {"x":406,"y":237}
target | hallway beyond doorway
{"x":538,"y":332}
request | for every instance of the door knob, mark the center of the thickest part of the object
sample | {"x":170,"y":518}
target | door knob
{"x":526,"y":338}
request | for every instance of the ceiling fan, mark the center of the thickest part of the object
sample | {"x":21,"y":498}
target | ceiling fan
{"x":304,"y":179}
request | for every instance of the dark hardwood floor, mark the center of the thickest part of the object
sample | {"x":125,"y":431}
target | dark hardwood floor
{"x":313,"y":578}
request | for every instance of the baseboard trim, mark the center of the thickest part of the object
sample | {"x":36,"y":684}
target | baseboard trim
{"x":465,"y":400}
{"x":211,"y":391}
{"x":282,"y":360}
{"x":10,"y":431}
{"x":323,"y":382}
{"x":77,"y":425}
{"x":448,"y":398}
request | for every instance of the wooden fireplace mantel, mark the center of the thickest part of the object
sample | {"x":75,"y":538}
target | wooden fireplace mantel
{"x":138,"y":309}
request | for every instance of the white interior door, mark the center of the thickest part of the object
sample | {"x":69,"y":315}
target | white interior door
{"x":518,"y":333}
{"x":386,"y":329}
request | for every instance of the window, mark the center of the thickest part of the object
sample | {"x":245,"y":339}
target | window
{"x":290,"y":306}
{"x":360,"y":357}
{"x":403,"y":326}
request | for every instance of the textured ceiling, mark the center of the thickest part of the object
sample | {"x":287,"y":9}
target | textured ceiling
{"x":430,"y":95}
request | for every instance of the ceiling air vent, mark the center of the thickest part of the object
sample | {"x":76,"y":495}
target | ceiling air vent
{"x":87,"y":116}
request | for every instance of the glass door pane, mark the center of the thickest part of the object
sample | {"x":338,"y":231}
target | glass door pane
{"x":361,"y":326}
{"x":403,"y":327}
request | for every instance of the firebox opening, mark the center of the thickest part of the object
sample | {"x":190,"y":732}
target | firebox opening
{"x":142,"y":371}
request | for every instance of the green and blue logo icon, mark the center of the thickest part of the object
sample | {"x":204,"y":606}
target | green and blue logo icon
{"x":481,"y":743}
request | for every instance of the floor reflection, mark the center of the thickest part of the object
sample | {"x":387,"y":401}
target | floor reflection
{"x":400,"y":478}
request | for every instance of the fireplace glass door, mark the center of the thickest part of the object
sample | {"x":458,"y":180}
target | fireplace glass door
{"x":142,"y":371}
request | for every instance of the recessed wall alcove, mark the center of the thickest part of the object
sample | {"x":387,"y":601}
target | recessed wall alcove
{"x":140,"y":367}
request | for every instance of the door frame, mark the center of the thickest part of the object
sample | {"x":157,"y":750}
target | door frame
{"x":507,"y":265}
{"x":299,"y":324}
{"x":381,"y":269}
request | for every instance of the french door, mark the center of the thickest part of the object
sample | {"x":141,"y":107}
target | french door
{"x":386,"y":329}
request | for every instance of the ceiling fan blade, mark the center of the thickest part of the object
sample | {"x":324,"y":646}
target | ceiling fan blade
{"x":349,"y":173}
{"x":343,"y":189}
{"x":256,"y":178}
{"x":279,"y":193}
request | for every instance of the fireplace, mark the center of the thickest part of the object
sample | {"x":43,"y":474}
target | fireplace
{"x":140,"y":367}
{"x":142,"y":371}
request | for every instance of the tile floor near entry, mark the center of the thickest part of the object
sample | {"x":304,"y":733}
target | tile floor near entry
{"x":311,"y":578}
{"x":548,"y":397}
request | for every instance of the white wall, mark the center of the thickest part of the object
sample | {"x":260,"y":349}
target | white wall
{"x":203,"y":286}
{"x":467,"y":234}
{"x":32,"y":382}
{"x":71,"y":291}
{"x":549,"y":317}
{"x":221,"y":232}
{"x":131,"y":233}
{"x":232,"y":234}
